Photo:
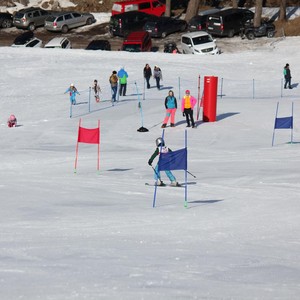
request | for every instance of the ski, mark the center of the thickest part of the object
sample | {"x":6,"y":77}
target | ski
{"x":170,"y":185}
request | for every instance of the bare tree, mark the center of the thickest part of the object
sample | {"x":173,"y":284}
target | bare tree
{"x":282,"y":10}
{"x":258,"y":12}
{"x":168,"y":8}
{"x":192,"y":9}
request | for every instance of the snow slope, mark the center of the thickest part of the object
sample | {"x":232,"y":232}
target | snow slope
{"x":96,"y":236}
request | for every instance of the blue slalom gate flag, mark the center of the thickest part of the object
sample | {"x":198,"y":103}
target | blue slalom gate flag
{"x":284,"y":123}
{"x":175,"y":160}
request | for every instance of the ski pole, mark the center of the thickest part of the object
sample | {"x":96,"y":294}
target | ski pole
{"x":155,"y":171}
{"x":191,"y":174}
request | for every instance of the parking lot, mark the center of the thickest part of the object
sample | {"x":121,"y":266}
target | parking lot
{"x":81,"y":36}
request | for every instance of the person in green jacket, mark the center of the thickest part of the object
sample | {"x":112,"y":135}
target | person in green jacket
{"x":122,"y":74}
{"x":287,"y":76}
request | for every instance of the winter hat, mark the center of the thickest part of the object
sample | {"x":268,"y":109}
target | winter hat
{"x":159,"y":142}
{"x":287,"y":65}
{"x":12,"y":117}
{"x":114,"y":72}
{"x":187,"y":92}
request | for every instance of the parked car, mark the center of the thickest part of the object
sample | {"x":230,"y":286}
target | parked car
{"x":265,"y":29}
{"x":59,"y":42}
{"x":6,"y":20}
{"x":198,"y":42}
{"x":64,"y":21}
{"x":137,"y":41}
{"x":153,"y":7}
{"x":228,"y":22}
{"x":163,"y":26}
{"x":198,"y":22}
{"x":33,"y":43}
{"x":23,"y":38}
{"x":123,"y":24}
{"x":99,"y":45}
{"x":30,"y":18}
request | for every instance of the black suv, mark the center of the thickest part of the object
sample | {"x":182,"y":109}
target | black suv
{"x":228,"y":22}
{"x":122,"y":24}
{"x":6,"y":20}
{"x":30,"y":18}
{"x":163,"y":26}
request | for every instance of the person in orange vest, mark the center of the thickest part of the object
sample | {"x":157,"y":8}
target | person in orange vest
{"x":188,"y":103}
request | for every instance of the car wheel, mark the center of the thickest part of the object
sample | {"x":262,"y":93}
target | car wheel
{"x":163,"y":35}
{"x":270,"y":34}
{"x":6,"y":24}
{"x":64,"y":29}
{"x":89,"y":21}
{"x":231,"y":33}
{"x":250,"y":35}
{"x":31,"y":27}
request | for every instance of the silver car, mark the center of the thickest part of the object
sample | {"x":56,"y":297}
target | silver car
{"x":30,"y":18}
{"x":67,"y":20}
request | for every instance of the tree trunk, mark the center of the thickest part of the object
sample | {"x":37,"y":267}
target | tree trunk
{"x":282,"y":10}
{"x":258,"y":12}
{"x":168,"y":8}
{"x":192,"y":9}
{"x":235,"y":3}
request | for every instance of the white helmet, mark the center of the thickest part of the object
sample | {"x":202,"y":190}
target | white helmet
{"x":72,"y":84}
{"x":159,"y":142}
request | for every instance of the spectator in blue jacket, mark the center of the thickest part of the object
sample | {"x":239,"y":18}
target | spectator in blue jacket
{"x":122,"y":74}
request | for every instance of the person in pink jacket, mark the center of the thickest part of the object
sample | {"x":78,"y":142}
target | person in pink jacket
{"x":188,"y":103}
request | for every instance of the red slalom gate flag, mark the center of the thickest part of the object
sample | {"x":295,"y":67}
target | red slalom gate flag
{"x":88,"y":136}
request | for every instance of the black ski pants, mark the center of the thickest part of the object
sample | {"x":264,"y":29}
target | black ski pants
{"x":189,"y":116}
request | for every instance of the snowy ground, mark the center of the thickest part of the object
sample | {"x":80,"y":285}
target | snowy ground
{"x":96,"y":236}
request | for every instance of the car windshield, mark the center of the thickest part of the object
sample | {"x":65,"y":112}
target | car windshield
{"x":132,"y":48}
{"x":202,"y":39}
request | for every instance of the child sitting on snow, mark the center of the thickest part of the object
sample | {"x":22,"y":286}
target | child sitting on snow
{"x":12,"y":121}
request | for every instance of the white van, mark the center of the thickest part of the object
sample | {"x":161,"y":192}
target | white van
{"x":198,"y":42}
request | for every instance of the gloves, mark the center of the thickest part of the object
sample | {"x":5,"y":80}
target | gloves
{"x":149,"y":162}
{"x":183,"y":114}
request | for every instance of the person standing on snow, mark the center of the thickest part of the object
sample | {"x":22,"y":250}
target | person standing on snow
{"x":171,"y":107}
{"x":122,"y":74}
{"x":161,"y":148}
{"x":147,"y":75}
{"x":157,"y":74}
{"x":96,"y":89}
{"x":287,"y":76}
{"x":72,"y":91}
{"x":188,"y":103}
{"x":113,"y":80}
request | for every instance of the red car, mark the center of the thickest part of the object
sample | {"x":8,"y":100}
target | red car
{"x":152,"y":7}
